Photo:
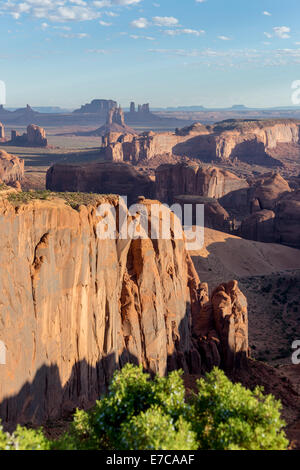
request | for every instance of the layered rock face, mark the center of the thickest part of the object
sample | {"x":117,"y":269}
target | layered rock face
{"x":280,"y":225}
{"x":11,"y":168}
{"x":143,"y":147}
{"x":190,"y":178}
{"x":75,"y":307}
{"x":263,"y":193}
{"x":103,"y":178}
{"x":248,"y":141}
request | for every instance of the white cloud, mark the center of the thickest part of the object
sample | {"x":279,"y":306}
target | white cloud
{"x":111,"y":3}
{"x":104,"y":23}
{"x":74,"y":35}
{"x":165,"y":21}
{"x":97,"y":51}
{"x":135,"y":36}
{"x":224,"y":38}
{"x":140,"y":23}
{"x":267,"y":13}
{"x":282,"y":31}
{"x":61,"y":10}
{"x":268,"y":35}
{"x":176,"y":32}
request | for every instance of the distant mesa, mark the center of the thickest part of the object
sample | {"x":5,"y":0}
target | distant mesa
{"x":238,"y":107}
{"x":97,"y":106}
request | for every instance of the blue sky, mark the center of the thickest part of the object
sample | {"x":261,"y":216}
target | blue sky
{"x":166,"y":52}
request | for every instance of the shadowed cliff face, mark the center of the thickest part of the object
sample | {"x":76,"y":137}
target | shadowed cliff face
{"x":73,"y":308}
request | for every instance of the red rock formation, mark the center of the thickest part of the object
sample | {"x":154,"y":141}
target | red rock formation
{"x":248,"y":141}
{"x":75,"y":307}
{"x":215,"y":216}
{"x":280,"y":225}
{"x":193,"y":179}
{"x":287,"y":219}
{"x":114,"y":127}
{"x":11,"y":168}
{"x":259,"y":226}
{"x":2,"y":132}
{"x":263,"y":193}
{"x":102,"y":177}
{"x":36,"y":136}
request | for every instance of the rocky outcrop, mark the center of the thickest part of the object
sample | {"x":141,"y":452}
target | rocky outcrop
{"x":193,"y":179}
{"x":259,"y":226}
{"x":113,"y":128}
{"x":280,"y":225}
{"x":2,"y":132}
{"x":11,"y":168}
{"x":262,"y":194}
{"x":75,"y":307}
{"x":287,"y":220}
{"x":215,"y":216}
{"x":247,"y":141}
{"x":102,"y":177}
{"x":34,"y":137}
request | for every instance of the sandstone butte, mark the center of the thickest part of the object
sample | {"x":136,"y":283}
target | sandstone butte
{"x":248,"y":141}
{"x":74,"y":308}
{"x":34,"y":137}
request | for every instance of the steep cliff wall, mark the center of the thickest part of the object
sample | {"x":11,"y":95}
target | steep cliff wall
{"x":73,"y":308}
{"x":193,"y":179}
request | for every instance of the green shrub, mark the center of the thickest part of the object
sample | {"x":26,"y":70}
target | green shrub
{"x":24,"y":439}
{"x":140,"y":413}
{"x":229,"y":416}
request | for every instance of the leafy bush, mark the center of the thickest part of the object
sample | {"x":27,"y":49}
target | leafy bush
{"x":140,"y":413}
{"x":24,"y":439}
{"x":229,"y":416}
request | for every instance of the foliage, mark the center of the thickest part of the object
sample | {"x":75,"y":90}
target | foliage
{"x":24,"y":439}
{"x":140,"y":413}
{"x":229,"y":416}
